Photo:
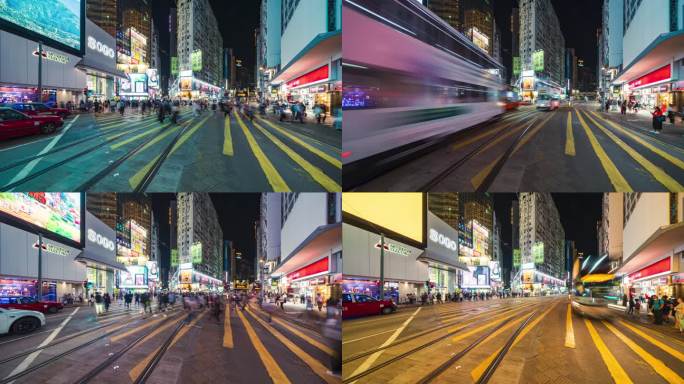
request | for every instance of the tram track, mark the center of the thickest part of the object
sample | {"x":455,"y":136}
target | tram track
{"x":432,"y":342}
{"x":432,"y":330}
{"x":110,"y":167}
{"x":491,"y":174}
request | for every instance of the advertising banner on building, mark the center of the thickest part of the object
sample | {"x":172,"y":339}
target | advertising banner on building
{"x":538,"y":60}
{"x":442,"y":241}
{"x":58,"y":23}
{"x":196,"y":253}
{"x":538,"y":252}
{"x":134,"y":278}
{"x":55,"y":214}
{"x":516,"y":258}
{"x":100,"y":244}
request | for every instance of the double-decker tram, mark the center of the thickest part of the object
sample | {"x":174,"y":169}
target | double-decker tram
{"x":593,"y":294}
{"x":409,"y":79}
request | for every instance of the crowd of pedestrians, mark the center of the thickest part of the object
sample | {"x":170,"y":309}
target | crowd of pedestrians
{"x":665,"y":310}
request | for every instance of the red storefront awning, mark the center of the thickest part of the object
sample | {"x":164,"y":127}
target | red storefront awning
{"x":315,"y":268}
{"x":658,"y":76}
{"x":657,"y":268}
{"x":318,"y":74}
{"x":665,"y":241}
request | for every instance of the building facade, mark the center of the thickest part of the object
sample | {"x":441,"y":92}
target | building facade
{"x":447,"y":10}
{"x":310,"y":55}
{"x":653,"y":252}
{"x":542,"y":49}
{"x":652,"y":58}
{"x":310,"y":245}
{"x":200,"y":50}
{"x":542,"y":245}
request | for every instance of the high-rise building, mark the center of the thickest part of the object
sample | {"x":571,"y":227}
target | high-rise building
{"x":200,"y":44}
{"x":477,"y":206}
{"x":653,"y":244}
{"x":200,"y":238}
{"x":103,"y":206}
{"x":134,"y":31}
{"x":138,"y":208}
{"x":542,"y":242}
{"x":610,"y":234}
{"x":445,"y":206}
{"x":103,"y":14}
{"x":541,"y":36}
{"x":478,"y":23}
{"x":447,"y":10}
{"x":570,"y":69}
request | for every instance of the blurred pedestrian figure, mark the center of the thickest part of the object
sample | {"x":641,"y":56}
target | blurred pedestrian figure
{"x":122,"y":106}
{"x":657,"y":310}
{"x":658,"y":119}
{"x":98,"y":303}
{"x":679,"y":314}
{"x":623,"y":107}
{"x":107,"y":301}
{"x":137,"y":299}
{"x":319,"y":301}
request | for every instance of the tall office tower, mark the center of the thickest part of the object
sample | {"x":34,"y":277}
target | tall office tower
{"x":136,"y":207}
{"x":445,"y":206}
{"x":447,"y":10}
{"x":477,"y":206}
{"x":103,"y":206}
{"x":542,"y":238}
{"x":478,"y":23}
{"x":103,"y":14}
{"x":198,"y":227}
{"x":540,"y":31}
{"x":134,"y":30}
{"x":200,"y":44}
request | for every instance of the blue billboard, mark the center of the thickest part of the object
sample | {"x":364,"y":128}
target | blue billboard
{"x":57,"y":23}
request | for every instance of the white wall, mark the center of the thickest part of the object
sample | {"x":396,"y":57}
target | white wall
{"x":651,"y":19}
{"x":18,"y":257}
{"x":19,"y":66}
{"x":361,"y":258}
{"x":309,"y":19}
{"x":308,"y":213}
{"x":273,"y":226}
{"x":650,"y":213}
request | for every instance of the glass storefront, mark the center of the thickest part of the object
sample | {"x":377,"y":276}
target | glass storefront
{"x":442,"y":280}
{"x":102,"y":280}
{"x":21,"y":287}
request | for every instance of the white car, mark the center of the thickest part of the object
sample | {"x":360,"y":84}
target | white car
{"x":20,"y":321}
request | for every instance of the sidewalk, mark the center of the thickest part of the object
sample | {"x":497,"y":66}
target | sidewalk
{"x":643,"y":120}
{"x":322,"y":132}
{"x":646,"y":320}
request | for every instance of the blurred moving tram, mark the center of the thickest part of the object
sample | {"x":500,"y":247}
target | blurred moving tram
{"x":409,"y":79}
{"x":593,"y":294}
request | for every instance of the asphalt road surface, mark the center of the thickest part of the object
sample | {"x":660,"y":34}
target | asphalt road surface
{"x":572,"y":149}
{"x":208,"y":152}
{"x":174,"y":346}
{"x":514,"y":340}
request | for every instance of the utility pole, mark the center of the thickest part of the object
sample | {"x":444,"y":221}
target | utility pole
{"x":40,"y":75}
{"x":382,"y":266}
{"x":40,"y":267}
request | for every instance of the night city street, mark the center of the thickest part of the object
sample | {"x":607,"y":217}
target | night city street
{"x":513,"y":288}
{"x":513,"y":95}
{"x":574,"y":148}
{"x":188,"y":287}
{"x":170,"y":95}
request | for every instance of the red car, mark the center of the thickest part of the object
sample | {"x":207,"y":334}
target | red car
{"x":356,"y":305}
{"x":30,"y":304}
{"x":34,"y":109}
{"x":14,"y":124}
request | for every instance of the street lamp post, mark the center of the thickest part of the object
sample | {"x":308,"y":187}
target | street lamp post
{"x":40,"y":74}
{"x":382,"y":266}
{"x":40,"y":266}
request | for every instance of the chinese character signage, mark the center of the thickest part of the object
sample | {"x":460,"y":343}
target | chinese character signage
{"x":174,"y":65}
{"x":538,"y":253}
{"x":174,"y":257}
{"x":538,"y":61}
{"x":196,"y":253}
{"x":196,"y":59}
{"x":516,"y":258}
{"x":516,"y":65}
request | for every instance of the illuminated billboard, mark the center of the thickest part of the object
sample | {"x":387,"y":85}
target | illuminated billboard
{"x":134,"y":277}
{"x":538,"y":252}
{"x":138,"y":239}
{"x":480,"y":240}
{"x":58,"y":23}
{"x":476,"y":277}
{"x":56,"y":213}
{"x":400,"y":213}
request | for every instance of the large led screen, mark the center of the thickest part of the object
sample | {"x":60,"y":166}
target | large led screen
{"x":399,"y":212}
{"x":56,"y":213}
{"x":58,"y":23}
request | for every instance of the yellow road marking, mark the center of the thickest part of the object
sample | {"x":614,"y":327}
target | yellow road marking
{"x":657,"y":365}
{"x":227,"y":330}
{"x":569,"y":138}
{"x":136,"y":137}
{"x":619,"y":182}
{"x":273,"y":369}
{"x":321,"y":178}
{"x":615,"y":369}
{"x":486,"y":133}
{"x":305,"y":337}
{"x":479,"y":178}
{"x":658,"y":334}
{"x":274,"y":178}
{"x":137,"y":370}
{"x":138,"y":176}
{"x":657,"y":172}
{"x":495,"y":320}
{"x":643,"y":142}
{"x":227,"y":139}
{"x":314,"y":364}
{"x":477,"y":372}
{"x":336,"y":162}
{"x":136,"y":329}
{"x":655,"y":342}
{"x":569,"y":333}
